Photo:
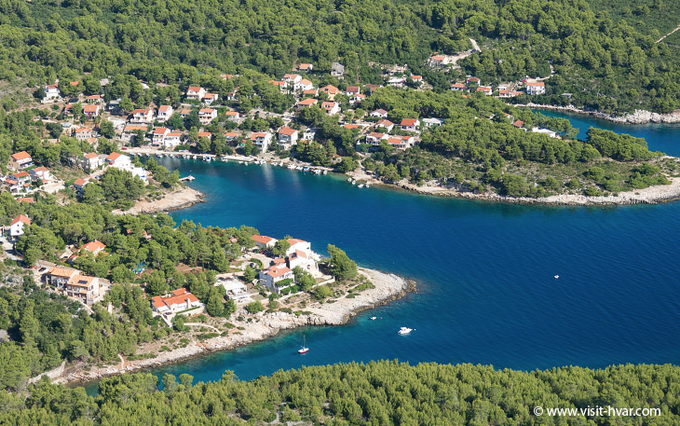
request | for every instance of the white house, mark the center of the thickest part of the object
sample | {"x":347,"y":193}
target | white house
{"x":142,"y":116}
{"x":91,"y":161}
{"x":159,"y":134}
{"x":306,"y":67}
{"x":232,"y":115}
{"x":210,"y":98}
{"x":79,"y":186}
{"x":82,"y":133}
{"x":291,"y":79}
{"x":41,"y":173}
{"x":374,"y":138}
{"x":196,"y":93}
{"x":207,"y":115}
{"x":118,"y":160}
{"x":164,"y":113}
{"x":358,"y":97}
{"x":51,"y":92}
{"x":262,"y":140}
{"x":85,"y":289}
{"x":287,"y":136}
{"x":536,"y":88}
{"x":380,"y":113}
{"x":264,"y":241}
{"x":432,"y":122}
{"x":387,"y":124}
{"x":172,"y":139}
{"x":303,"y":85}
{"x":16,"y":228}
{"x":300,"y":259}
{"x":331,"y":108}
{"x":22,"y":177}
{"x":299,"y":245}
{"x":330,"y":90}
{"x":410,"y":124}
{"x":275,"y":274}
{"x":179,"y":301}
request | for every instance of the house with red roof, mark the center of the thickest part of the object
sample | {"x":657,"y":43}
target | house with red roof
{"x":91,"y":110}
{"x":304,"y":85}
{"x":164,"y":113}
{"x":207,"y":115}
{"x":306,"y":67}
{"x":330,"y":107}
{"x":20,"y":161}
{"x":95,"y":247}
{"x":374,"y":138}
{"x":232,"y":115}
{"x":179,"y":301}
{"x":287,"y":137}
{"x":264,"y":241}
{"x":410,"y":124}
{"x":380,"y":113}
{"x":79,"y":186}
{"x":299,"y":245}
{"x":210,"y":98}
{"x":275,"y":274}
{"x":16,"y":227}
{"x":536,"y":88}
{"x":83,"y":288}
{"x":306,"y":103}
{"x":387,"y":124}
{"x":330,"y":90}
{"x":195,"y":93}
{"x":42,"y":173}
{"x":458,"y":87}
{"x":262,"y":140}
{"x":159,"y":134}
{"x":142,"y":116}
{"x":91,"y":161}
{"x":302,"y":260}
{"x":357,"y":98}
{"x":485,"y":89}
{"x":118,"y":160}
{"x":23,"y":177}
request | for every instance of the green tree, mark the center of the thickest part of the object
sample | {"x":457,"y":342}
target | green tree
{"x":340,"y":265}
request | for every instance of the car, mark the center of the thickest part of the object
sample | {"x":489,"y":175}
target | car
{"x":124,"y":148}
{"x":41,"y":270}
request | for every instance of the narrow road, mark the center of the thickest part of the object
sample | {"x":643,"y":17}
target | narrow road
{"x":676,"y":29}
{"x":475,"y":45}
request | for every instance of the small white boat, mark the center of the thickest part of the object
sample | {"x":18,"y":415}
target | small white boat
{"x":374,"y":318}
{"x":349,"y":179}
{"x":304,"y":349}
{"x":361,"y":185}
{"x":291,"y":167}
{"x":354,"y":182}
{"x":195,"y":157}
{"x":404,"y":331}
{"x":368,"y":186}
{"x":240,"y":162}
{"x":556,"y":276}
{"x":325,"y":171}
{"x":298,"y":168}
{"x":246,"y":163}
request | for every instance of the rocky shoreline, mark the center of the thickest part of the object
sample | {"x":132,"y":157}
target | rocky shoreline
{"x":637,"y":117}
{"x":388,"y":287}
{"x":653,"y":195}
{"x":178,"y":199}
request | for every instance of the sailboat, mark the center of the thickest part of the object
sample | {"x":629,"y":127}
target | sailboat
{"x":304,"y":349}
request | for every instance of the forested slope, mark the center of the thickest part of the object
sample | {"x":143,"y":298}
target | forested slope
{"x":604,"y":61}
{"x":379,"y":393}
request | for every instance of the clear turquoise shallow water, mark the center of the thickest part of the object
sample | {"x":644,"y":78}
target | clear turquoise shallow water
{"x":486,"y":292}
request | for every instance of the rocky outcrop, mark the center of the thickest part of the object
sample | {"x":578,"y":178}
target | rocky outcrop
{"x":637,"y":117}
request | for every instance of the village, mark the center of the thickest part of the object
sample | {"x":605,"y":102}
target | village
{"x":153,"y":129}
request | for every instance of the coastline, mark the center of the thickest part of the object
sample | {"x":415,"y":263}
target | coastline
{"x":263,"y":325}
{"x":180,"y":198}
{"x":652,"y":195}
{"x":637,"y":117}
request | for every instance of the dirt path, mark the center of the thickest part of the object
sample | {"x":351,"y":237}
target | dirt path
{"x":475,"y":45}
{"x":661,"y":39}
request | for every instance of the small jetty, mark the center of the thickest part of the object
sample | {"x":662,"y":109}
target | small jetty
{"x":187,"y":179}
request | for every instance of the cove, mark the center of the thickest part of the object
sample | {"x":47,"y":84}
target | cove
{"x":486,"y":292}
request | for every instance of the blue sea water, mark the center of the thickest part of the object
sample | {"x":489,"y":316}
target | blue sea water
{"x":484,"y":271}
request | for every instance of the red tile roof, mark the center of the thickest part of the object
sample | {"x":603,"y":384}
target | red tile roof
{"x":21,"y":155}
{"x":21,"y":218}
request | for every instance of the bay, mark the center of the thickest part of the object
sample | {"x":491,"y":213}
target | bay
{"x":484,"y":271}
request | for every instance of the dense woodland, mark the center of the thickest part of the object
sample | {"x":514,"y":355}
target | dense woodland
{"x":378,"y":393}
{"x":479,"y":148}
{"x":605,"y":62}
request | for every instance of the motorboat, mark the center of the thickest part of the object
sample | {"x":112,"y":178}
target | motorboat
{"x":404,"y":331}
{"x":374,"y":318}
